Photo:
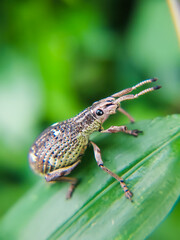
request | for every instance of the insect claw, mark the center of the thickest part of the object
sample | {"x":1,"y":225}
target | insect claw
{"x":135,"y":132}
{"x":129,"y":195}
{"x":139,"y":131}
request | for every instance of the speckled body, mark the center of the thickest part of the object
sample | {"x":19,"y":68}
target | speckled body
{"x":63,"y":143}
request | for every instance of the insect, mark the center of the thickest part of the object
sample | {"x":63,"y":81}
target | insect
{"x":59,"y":148}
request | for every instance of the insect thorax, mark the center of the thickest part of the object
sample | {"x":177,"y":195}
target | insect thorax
{"x":88,"y":122}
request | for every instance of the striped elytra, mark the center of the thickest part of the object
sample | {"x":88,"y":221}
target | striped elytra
{"x":62,"y":143}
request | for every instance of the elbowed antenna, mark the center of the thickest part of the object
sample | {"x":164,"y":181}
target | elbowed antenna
{"x":128,"y":90}
{"x":123,"y":97}
{"x":145,"y":82}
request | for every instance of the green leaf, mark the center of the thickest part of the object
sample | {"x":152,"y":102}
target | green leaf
{"x":149,"y":164}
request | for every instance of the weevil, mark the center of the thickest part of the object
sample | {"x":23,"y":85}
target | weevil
{"x":59,"y":148}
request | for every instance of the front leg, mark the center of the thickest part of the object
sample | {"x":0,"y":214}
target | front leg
{"x":97,"y":154}
{"x":116,"y":129}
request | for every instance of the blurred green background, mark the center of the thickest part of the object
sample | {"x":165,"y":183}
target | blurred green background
{"x":58,"y":56}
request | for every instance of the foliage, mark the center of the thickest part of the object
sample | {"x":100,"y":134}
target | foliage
{"x":150,"y":164}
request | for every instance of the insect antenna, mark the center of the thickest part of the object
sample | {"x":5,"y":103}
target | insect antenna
{"x":128,"y":90}
{"x":133,"y":96}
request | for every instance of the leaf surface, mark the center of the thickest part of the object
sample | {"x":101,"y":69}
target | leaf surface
{"x":150,"y":165}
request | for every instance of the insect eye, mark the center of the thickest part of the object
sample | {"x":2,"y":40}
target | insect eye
{"x":99,"y":112}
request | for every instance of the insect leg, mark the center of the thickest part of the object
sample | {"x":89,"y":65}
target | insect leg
{"x":73,"y":183}
{"x":116,"y":129}
{"x":58,"y":175}
{"x":126,"y":114}
{"x":97,"y":154}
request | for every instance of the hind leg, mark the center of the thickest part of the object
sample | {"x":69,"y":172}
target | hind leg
{"x":58,"y":175}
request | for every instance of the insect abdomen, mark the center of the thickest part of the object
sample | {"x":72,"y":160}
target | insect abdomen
{"x":57,"y":147}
